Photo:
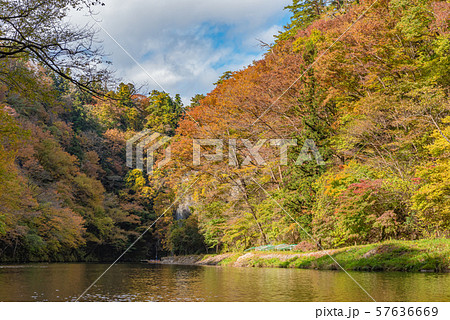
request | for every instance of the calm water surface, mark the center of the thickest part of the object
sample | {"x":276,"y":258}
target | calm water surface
{"x":144,"y":282}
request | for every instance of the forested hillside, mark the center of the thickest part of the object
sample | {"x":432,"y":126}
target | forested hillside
{"x":65,"y":191}
{"x":375,"y":102}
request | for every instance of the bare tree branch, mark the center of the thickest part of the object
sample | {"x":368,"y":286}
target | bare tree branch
{"x":33,"y":29}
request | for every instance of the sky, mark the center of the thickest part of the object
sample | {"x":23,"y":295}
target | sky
{"x":183,"y":46}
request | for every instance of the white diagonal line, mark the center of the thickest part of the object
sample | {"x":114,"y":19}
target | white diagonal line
{"x":137,"y":239}
{"x":137,"y":62}
{"x":312,"y":238}
{"x":273,"y":103}
{"x":314,"y":62}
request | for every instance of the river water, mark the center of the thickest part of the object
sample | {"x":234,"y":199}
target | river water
{"x":145,"y":282}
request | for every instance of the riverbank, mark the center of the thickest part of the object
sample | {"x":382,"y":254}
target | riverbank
{"x":411,"y":256}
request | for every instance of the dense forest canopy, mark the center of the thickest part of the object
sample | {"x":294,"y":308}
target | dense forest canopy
{"x":375,"y":103}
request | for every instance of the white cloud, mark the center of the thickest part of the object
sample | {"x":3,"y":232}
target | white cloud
{"x":268,"y":35}
{"x":185,"y":44}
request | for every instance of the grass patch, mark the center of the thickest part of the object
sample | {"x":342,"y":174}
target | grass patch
{"x":413,"y":256}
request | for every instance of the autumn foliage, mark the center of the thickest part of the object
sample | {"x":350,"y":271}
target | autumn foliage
{"x":371,"y":90}
{"x":376,"y":104}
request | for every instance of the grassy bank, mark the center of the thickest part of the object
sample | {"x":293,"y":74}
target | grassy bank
{"x":413,"y":256}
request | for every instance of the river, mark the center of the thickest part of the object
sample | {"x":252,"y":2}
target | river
{"x":145,"y":282}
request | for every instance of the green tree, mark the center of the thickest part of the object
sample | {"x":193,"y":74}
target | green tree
{"x":432,"y":198}
{"x":163,"y":112}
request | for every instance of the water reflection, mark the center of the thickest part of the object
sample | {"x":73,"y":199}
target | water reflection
{"x":141,"y":282}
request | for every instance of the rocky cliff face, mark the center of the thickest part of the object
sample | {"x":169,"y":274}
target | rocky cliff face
{"x":183,"y":210}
